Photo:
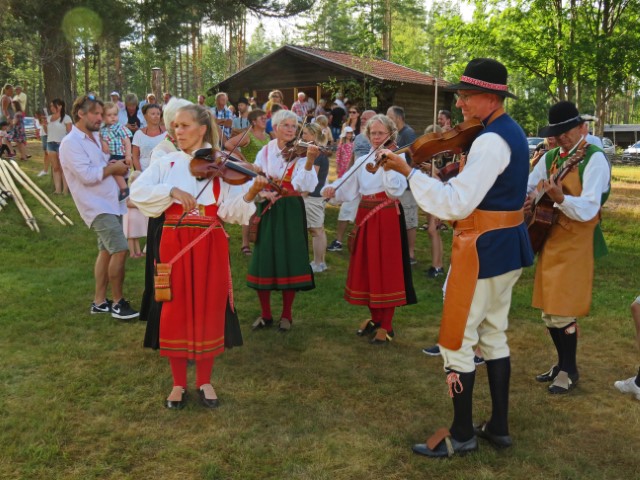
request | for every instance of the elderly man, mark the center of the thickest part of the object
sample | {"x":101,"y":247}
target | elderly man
{"x":91,"y":181}
{"x":300,"y":107}
{"x":224,"y":116}
{"x":115,"y":98}
{"x":564,"y":272}
{"x":21,"y":97}
{"x":490,"y":248}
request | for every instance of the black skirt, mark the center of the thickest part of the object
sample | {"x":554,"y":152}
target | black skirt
{"x":150,"y":310}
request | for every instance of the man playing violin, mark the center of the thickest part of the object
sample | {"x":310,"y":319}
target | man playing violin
{"x":490,"y":248}
{"x":564,"y":273}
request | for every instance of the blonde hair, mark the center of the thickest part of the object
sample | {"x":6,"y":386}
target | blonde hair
{"x":386,"y":122}
{"x":203,"y":116}
{"x":109,"y":106}
{"x":322,"y":120}
{"x":433,"y":128}
{"x":169,"y":112}
{"x":316,"y":131}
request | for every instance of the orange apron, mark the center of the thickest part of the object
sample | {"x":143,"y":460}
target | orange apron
{"x":564,"y":273}
{"x":465,"y":267}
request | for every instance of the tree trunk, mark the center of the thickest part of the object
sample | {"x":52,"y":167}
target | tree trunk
{"x":86,"y":67}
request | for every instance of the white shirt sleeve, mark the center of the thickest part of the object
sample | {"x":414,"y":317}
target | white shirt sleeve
{"x":538,"y":173}
{"x":304,"y":180}
{"x":595,"y":182}
{"x":231,"y":205}
{"x":488,"y":157}
{"x":149,"y":192}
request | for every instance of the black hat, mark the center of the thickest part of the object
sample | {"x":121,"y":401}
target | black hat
{"x":243,"y":100}
{"x":486,"y":75}
{"x":563,"y":116}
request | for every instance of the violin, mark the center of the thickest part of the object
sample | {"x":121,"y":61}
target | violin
{"x":456,"y":141}
{"x":209,"y":163}
{"x":298,"y":149}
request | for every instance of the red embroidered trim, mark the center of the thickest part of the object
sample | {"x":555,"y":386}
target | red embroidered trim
{"x":482,"y":83}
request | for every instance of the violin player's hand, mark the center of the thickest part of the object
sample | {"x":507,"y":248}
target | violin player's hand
{"x":259,"y":183}
{"x":267,"y":195}
{"x":329,"y":192}
{"x":313,"y":152}
{"x":187,"y":200}
{"x":394,"y":162}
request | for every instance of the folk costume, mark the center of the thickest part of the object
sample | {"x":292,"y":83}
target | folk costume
{"x":379,"y":275}
{"x":280,"y":259}
{"x":195,"y":324}
{"x":490,"y":248}
{"x":564,"y":273}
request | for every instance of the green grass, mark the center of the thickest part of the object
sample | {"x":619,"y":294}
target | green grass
{"x":81,"y":398}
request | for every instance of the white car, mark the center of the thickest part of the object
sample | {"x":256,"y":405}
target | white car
{"x":608,"y":146}
{"x":632,"y":152}
{"x":533,"y":143}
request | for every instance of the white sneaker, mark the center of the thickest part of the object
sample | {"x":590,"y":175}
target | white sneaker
{"x":43,"y":173}
{"x":323,"y":266}
{"x":628,"y":386}
{"x":315,"y":268}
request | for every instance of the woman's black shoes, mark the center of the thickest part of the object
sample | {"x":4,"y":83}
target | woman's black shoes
{"x":177,"y":404}
{"x":208,"y":402}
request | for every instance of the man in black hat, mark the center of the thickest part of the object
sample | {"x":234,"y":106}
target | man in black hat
{"x":241,"y":122}
{"x":491,"y":246}
{"x":564,"y":273}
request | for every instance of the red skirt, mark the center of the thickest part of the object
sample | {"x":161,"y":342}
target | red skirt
{"x":376,"y":271}
{"x":192,"y":323}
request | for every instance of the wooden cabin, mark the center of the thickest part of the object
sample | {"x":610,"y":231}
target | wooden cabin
{"x":370,"y":83}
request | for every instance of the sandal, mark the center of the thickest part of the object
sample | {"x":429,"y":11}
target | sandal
{"x":246,"y":250}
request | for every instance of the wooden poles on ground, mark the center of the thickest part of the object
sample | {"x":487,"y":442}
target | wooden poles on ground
{"x":7,"y":180}
{"x":8,"y":189}
{"x":37,"y":192}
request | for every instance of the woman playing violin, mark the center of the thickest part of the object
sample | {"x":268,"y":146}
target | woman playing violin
{"x":281,"y":256}
{"x":192,"y":324}
{"x":379,"y":271}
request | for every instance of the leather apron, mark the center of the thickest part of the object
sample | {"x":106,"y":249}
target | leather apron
{"x":465,"y":267}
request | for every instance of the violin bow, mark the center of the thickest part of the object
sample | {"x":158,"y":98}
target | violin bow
{"x":344,"y":179}
{"x":226,"y":158}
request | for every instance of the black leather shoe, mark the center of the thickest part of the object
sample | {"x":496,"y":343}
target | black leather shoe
{"x":564,"y":383}
{"x":498,"y":441}
{"x":549,"y":376}
{"x":177,"y":404}
{"x":367,"y":328}
{"x":208,"y":402}
{"x":447,"y":448}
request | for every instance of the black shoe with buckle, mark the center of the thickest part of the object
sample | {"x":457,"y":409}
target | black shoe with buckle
{"x":548,"y":376}
{"x":208,"y":402}
{"x":498,"y":441}
{"x":177,"y":404}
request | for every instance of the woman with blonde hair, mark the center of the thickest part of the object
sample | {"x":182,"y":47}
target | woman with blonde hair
{"x":275,"y":98}
{"x":194,"y":320}
{"x":379,"y":274}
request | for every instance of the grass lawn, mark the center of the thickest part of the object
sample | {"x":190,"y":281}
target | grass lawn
{"x":81,"y":398}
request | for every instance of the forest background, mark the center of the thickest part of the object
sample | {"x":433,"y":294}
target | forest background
{"x":586,"y":51}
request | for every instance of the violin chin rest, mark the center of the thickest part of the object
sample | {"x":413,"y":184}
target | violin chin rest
{"x":203,"y":153}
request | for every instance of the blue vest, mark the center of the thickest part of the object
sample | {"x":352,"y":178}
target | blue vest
{"x":507,"y":249}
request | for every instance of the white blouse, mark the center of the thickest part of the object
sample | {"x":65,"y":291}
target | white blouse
{"x":270,"y":160}
{"x":150,"y":192}
{"x":146,"y":144}
{"x":364,"y":183}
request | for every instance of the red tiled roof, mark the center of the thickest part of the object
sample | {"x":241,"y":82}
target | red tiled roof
{"x":372,"y":67}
